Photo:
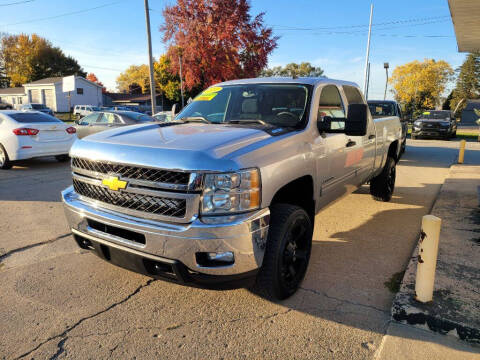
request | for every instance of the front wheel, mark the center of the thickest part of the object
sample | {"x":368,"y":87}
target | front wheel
{"x":382,"y":186}
{"x":287,"y":253}
{"x":5,"y":162}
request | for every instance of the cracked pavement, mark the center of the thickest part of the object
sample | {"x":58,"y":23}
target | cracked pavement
{"x":58,"y":301}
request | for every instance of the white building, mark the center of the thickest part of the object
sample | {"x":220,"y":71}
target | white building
{"x":49,"y":92}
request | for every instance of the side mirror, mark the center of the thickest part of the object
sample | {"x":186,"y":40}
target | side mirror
{"x":357,"y":119}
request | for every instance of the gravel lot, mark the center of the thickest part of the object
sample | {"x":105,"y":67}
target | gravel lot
{"x":57,"y":301}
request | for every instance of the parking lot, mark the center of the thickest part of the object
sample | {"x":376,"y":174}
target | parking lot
{"x":58,"y":300}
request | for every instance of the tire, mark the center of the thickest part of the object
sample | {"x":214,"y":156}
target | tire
{"x":5,"y":162}
{"x":62,"y":158}
{"x":383,"y":185}
{"x":287,"y":252}
{"x":404,"y":145}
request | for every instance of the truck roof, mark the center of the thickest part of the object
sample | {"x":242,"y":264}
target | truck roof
{"x":288,"y":80}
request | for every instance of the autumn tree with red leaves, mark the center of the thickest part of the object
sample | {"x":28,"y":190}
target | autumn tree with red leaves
{"x":217,"y":39}
{"x":93,"y":78}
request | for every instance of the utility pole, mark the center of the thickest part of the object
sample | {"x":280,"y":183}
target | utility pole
{"x":386,"y":66}
{"x":181,"y":78}
{"x":150,"y":59}
{"x":365,"y":85}
{"x":368,"y":82}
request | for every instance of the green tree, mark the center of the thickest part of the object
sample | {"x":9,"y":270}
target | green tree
{"x":468,"y":82}
{"x":293,"y":69}
{"x":26,"y":58}
{"x":165,"y":80}
{"x":136,"y":78}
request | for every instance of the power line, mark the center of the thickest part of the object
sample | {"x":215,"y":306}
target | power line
{"x":17,"y":3}
{"x":65,"y":14}
{"x":403,"y":21}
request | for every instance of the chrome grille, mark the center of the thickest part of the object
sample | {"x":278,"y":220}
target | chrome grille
{"x":136,"y":202}
{"x":133,"y":172}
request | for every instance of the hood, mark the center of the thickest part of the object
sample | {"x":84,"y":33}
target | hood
{"x":176,"y":146}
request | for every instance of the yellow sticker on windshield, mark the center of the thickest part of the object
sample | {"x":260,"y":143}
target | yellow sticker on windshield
{"x":205,"y":97}
{"x":426,"y":113}
{"x":378,"y":109}
{"x":213,"y":89}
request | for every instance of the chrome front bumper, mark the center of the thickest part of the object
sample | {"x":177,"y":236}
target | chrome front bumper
{"x":243,"y":235}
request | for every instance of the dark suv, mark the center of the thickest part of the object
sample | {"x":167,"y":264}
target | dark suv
{"x":435,"y":124}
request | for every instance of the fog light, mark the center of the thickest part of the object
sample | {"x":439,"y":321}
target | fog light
{"x":224,"y":257}
{"x":213,"y":259}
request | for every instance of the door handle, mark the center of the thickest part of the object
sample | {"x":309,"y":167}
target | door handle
{"x":351,"y":143}
{"x":371,"y":137}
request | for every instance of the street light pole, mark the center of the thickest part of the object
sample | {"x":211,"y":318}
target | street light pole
{"x":181,"y":78}
{"x":150,"y":59}
{"x":365,"y":85}
{"x":386,"y":66}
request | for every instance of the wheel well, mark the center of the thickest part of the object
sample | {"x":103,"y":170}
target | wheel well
{"x":393,"y":150}
{"x":298,"y":192}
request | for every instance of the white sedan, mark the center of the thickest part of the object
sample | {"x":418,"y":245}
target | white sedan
{"x":29,"y":134}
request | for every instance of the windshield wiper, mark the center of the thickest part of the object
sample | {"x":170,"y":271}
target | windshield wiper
{"x":188,"y":119}
{"x":257,"y":121}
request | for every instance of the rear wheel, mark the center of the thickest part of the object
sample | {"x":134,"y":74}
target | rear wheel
{"x":382,"y":186}
{"x":287,"y":253}
{"x":5,"y":162}
{"x":62,"y":158}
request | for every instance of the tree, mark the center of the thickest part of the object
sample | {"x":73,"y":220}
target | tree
{"x":166,"y":81}
{"x":293,"y":69}
{"x":419,"y":85}
{"x":217,"y":40}
{"x":136,"y":79}
{"x":28,"y":58}
{"x":468,"y":82}
{"x":93,"y":78}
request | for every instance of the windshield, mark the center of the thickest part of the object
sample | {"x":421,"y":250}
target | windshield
{"x":38,"y":106}
{"x":382,"y":109}
{"x":445,"y":115}
{"x":275,"y":104}
{"x":94,"y":108}
{"x":139,"y":117}
{"x":33,"y":118}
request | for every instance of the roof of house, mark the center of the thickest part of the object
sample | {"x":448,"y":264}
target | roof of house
{"x":55,"y":80}
{"x":13,"y":91}
{"x":46,"y":81}
{"x":120,"y":97}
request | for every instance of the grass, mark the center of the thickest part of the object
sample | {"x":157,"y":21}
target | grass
{"x":65,"y":117}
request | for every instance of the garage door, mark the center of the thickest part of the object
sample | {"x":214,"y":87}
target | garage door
{"x":35,"y":94}
{"x":49,"y":98}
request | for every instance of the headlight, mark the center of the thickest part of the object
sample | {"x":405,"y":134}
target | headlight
{"x":228,"y":193}
{"x":417,"y":123}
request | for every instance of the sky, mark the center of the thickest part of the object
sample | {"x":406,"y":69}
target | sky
{"x":110,"y":35}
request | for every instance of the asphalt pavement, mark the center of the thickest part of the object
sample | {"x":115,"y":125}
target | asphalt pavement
{"x":57,"y":301}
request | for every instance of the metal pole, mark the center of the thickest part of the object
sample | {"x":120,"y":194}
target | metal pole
{"x":181,"y":78}
{"x":150,"y":59}
{"x":368,"y":50}
{"x":368,"y":82}
{"x":386,"y":66}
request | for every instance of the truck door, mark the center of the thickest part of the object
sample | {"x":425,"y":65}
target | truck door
{"x":331,"y":148}
{"x":361,"y":149}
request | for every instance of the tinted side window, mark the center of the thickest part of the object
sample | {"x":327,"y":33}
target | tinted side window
{"x":353,"y":95}
{"x":331,"y":105}
{"x":33,"y":118}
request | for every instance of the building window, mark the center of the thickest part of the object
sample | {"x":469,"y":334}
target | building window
{"x":79,"y":91}
{"x":13,"y":101}
{"x":20,"y":100}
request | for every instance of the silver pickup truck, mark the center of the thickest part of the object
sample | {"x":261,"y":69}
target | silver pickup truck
{"x":226,"y":194}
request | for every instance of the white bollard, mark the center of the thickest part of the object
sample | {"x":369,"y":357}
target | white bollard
{"x":427,"y":258}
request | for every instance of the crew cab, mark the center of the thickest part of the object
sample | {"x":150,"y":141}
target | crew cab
{"x":226,"y":194}
{"x":435,"y":124}
{"x":385,"y":108}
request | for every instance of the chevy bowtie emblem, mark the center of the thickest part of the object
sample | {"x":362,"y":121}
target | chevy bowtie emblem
{"x":114,"y":183}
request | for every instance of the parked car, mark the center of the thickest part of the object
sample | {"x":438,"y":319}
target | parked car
{"x":84,"y":110}
{"x":37,"y":107}
{"x":29,"y":134}
{"x":4,"y":106}
{"x":435,"y":124}
{"x":164,"y":116}
{"x":386,"y":108}
{"x":105,"y":120}
{"x":227,"y":194}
